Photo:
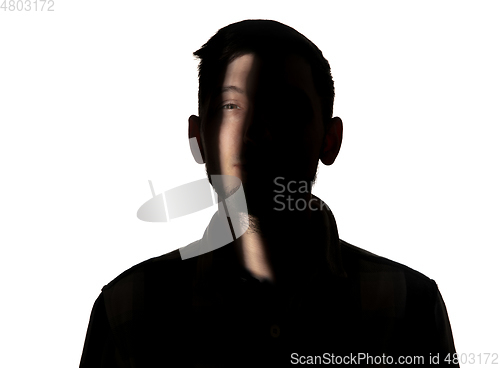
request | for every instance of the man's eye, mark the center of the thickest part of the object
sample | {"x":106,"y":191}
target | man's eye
{"x":230,"y":106}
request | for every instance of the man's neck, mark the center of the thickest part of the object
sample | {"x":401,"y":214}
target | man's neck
{"x":276,"y":247}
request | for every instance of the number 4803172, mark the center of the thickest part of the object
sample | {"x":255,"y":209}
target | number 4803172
{"x":27,"y":5}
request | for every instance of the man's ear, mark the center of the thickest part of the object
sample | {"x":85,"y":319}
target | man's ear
{"x":195,"y":139}
{"x":332,"y":141}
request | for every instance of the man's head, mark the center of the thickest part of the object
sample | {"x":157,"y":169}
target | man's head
{"x":265,"y":38}
{"x":265,"y":105}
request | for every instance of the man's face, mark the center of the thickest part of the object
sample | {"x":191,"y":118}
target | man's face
{"x":264,"y":122}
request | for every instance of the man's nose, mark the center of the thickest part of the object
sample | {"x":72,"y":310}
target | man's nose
{"x":259,"y":123}
{"x":258,"y":131}
{"x":267,"y":115}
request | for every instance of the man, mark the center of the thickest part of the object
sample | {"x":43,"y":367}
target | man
{"x":286,"y":290}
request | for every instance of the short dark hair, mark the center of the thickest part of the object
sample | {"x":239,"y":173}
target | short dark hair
{"x":264,"y":37}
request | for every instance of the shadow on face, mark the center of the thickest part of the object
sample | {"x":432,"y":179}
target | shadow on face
{"x":264,"y":122}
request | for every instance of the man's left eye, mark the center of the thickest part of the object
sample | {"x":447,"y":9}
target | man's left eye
{"x":230,"y":106}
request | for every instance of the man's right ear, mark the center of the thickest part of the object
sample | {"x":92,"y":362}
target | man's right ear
{"x":195,"y":139}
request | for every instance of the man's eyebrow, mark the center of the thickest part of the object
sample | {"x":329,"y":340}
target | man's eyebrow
{"x":229,"y":88}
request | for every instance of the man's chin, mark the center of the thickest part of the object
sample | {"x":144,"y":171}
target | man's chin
{"x":262,"y":186}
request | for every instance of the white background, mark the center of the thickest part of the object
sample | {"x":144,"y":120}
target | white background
{"x":94,"y":101}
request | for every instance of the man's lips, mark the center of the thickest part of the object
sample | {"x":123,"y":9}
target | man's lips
{"x":242,"y":163}
{"x":254,"y":168}
{"x":247,"y":166}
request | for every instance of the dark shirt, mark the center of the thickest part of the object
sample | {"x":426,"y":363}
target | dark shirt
{"x":208,"y":311}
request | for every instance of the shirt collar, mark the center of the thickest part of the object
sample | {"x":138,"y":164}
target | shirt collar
{"x":214,"y":257}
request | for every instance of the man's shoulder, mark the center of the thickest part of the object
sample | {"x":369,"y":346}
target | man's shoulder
{"x":395,"y":298}
{"x":169,"y":266}
{"x":373,"y":269}
{"x":161,"y":280}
